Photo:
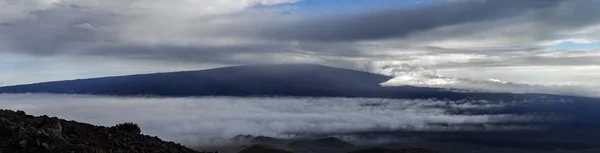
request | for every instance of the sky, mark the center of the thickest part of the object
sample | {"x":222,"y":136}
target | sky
{"x":432,"y":42}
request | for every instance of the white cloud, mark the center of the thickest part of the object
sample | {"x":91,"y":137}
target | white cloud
{"x":196,"y":120}
{"x":143,"y":22}
{"x":575,"y":41}
{"x":567,"y":80}
{"x":183,"y":9}
{"x":181,"y":22}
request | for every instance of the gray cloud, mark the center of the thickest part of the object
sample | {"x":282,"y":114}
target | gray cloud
{"x":403,"y":22}
{"x":62,"y":30}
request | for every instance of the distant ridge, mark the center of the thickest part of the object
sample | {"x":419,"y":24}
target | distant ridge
{"x":300,"y":80}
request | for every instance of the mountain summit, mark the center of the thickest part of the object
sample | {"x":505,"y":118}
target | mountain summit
{"x":251,"y":80}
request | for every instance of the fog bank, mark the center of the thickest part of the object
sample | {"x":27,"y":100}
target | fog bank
{"x":204,"y":120}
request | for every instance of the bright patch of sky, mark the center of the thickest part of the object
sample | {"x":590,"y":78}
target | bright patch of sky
{"x":569,"y":45}
{"x":319,"y":7}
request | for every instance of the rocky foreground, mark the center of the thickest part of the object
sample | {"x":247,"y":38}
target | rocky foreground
{"x":22,"y":133}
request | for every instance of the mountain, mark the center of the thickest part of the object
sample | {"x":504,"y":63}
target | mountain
{"x":253,"y":80}
{"x":256,"y":80}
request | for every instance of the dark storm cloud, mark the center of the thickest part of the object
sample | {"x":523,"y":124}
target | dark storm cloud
{"x":403,"y":22}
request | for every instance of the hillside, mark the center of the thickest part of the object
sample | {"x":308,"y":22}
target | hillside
{"x":25,"y":133}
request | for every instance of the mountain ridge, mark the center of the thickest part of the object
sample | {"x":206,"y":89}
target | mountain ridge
{"x":226,"y":78}
{"x":187,"y":71}
{"x":293,"y":80}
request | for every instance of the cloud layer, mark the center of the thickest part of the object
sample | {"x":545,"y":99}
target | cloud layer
{"x":196,"y":121}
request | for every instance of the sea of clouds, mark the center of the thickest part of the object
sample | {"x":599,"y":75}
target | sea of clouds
{"x":205,"y":120}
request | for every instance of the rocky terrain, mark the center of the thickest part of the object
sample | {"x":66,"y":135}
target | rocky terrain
{"x":20,"y":132}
